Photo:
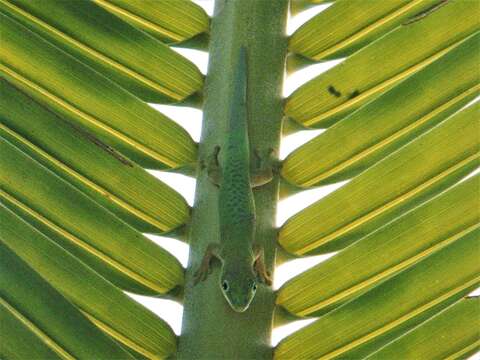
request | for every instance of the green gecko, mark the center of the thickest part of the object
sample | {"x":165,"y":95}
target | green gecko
{"x":242,"y":258}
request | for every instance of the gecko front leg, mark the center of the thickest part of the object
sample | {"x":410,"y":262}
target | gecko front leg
{"x":212,"y":251}
{"x":259,"y":265}
{"x":263,"y":168}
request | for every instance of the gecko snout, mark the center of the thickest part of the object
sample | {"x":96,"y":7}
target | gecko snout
{"x":239,"y":294}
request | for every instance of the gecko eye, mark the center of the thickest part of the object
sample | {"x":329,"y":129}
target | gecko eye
{"x":225,"y":285}
{"x":254,"y":286}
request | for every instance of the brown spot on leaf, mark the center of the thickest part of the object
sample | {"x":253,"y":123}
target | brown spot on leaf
{"x":79,"y":130}
{"x":425,"y":12}
{"x":355,"y":93}
{"x":331,"y":89}
{"x":96,"y":141}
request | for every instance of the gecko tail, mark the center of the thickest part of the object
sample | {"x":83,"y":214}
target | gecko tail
{"x":238,"y":119}
{"x":241,"y":78}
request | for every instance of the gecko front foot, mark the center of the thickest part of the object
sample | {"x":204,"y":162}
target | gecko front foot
{"x":202,"y":273}
{"x":262,"y":273}
{"x":259,"y":266}
{"x":205,"y":266}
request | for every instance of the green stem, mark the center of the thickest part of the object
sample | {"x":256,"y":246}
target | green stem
{"x":211,"y":330}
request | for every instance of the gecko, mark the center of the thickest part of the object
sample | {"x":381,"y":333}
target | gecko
{"x":240,"y":255}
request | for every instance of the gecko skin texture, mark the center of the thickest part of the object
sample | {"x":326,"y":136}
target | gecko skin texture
{"x":241,"y":256}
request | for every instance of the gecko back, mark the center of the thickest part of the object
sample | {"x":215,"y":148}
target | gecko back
{"x":236,"y":198}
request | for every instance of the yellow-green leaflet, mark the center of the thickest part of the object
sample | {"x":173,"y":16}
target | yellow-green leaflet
{"x":171,"y":21}
{"x":365,"y":324}
{"x":376,"y":68}
{"x":398,"y":183}
{"x":145,"y":67}
{"x":85,"y":97}
{"x":385,"y":124}
{"x":90,"y":232}
{"x":446,"y":219}
{"x":452,"y":334}
{"x":108,"y":307}
{"x":33,"y":310}
{"x":94,"y":168}
{"x":297,"y":6}
{"x":347,"y":26}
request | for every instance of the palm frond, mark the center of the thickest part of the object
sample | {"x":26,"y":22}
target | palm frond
{"x":449,"y":335}
{"x":400,"y":182}
{"x":395,"y":118}
{"x":446,"y":219}
{"x":84,"y":228}
{"x":93,"y":167}
{"x":82,"y":95}
{"x":347,"y":26}
{"x":171,"y":21}
{"x":297,"y":6}
{"x":76,"y":134}
{"x":31,"y":326}
{"x":147,"y":68}
{"x":378,"y":67}
{"x":365,"y":324}
{"x":105,"y":305}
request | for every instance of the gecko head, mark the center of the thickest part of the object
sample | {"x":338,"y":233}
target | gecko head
{"x":238,"y":287}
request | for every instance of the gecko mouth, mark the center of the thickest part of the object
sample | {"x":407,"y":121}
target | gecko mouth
{"x":240,"y":308}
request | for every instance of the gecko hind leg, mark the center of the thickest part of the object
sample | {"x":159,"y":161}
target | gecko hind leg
{"x":259,"y":265}
{"x":204,"y":269}
{"x":264,"y":168}
{"x":214,"y":171}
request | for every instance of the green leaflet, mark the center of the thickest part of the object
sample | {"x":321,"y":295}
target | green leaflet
{"x":452,"y":334}
{"x":77,"y":156}
{"x":171,"y":21}
{"x":365,"y":324}
{"x":83,"y":96}
{"x":400,"y":182}
{"x":145,"y":67}
{"x":408,"y":239}
{"x":30,"y":307}
{"x":18,"y":342}
{"x":112,"y":310}
{"x":297,"y":6}
{"x":362,"y":77}
{"x":395,"y":118}
{"x":87,"y":230}
{"x":347,"y":26}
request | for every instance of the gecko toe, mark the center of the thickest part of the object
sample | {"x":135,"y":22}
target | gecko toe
{"x":198,"y":276}
{"x":268,"y":280}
